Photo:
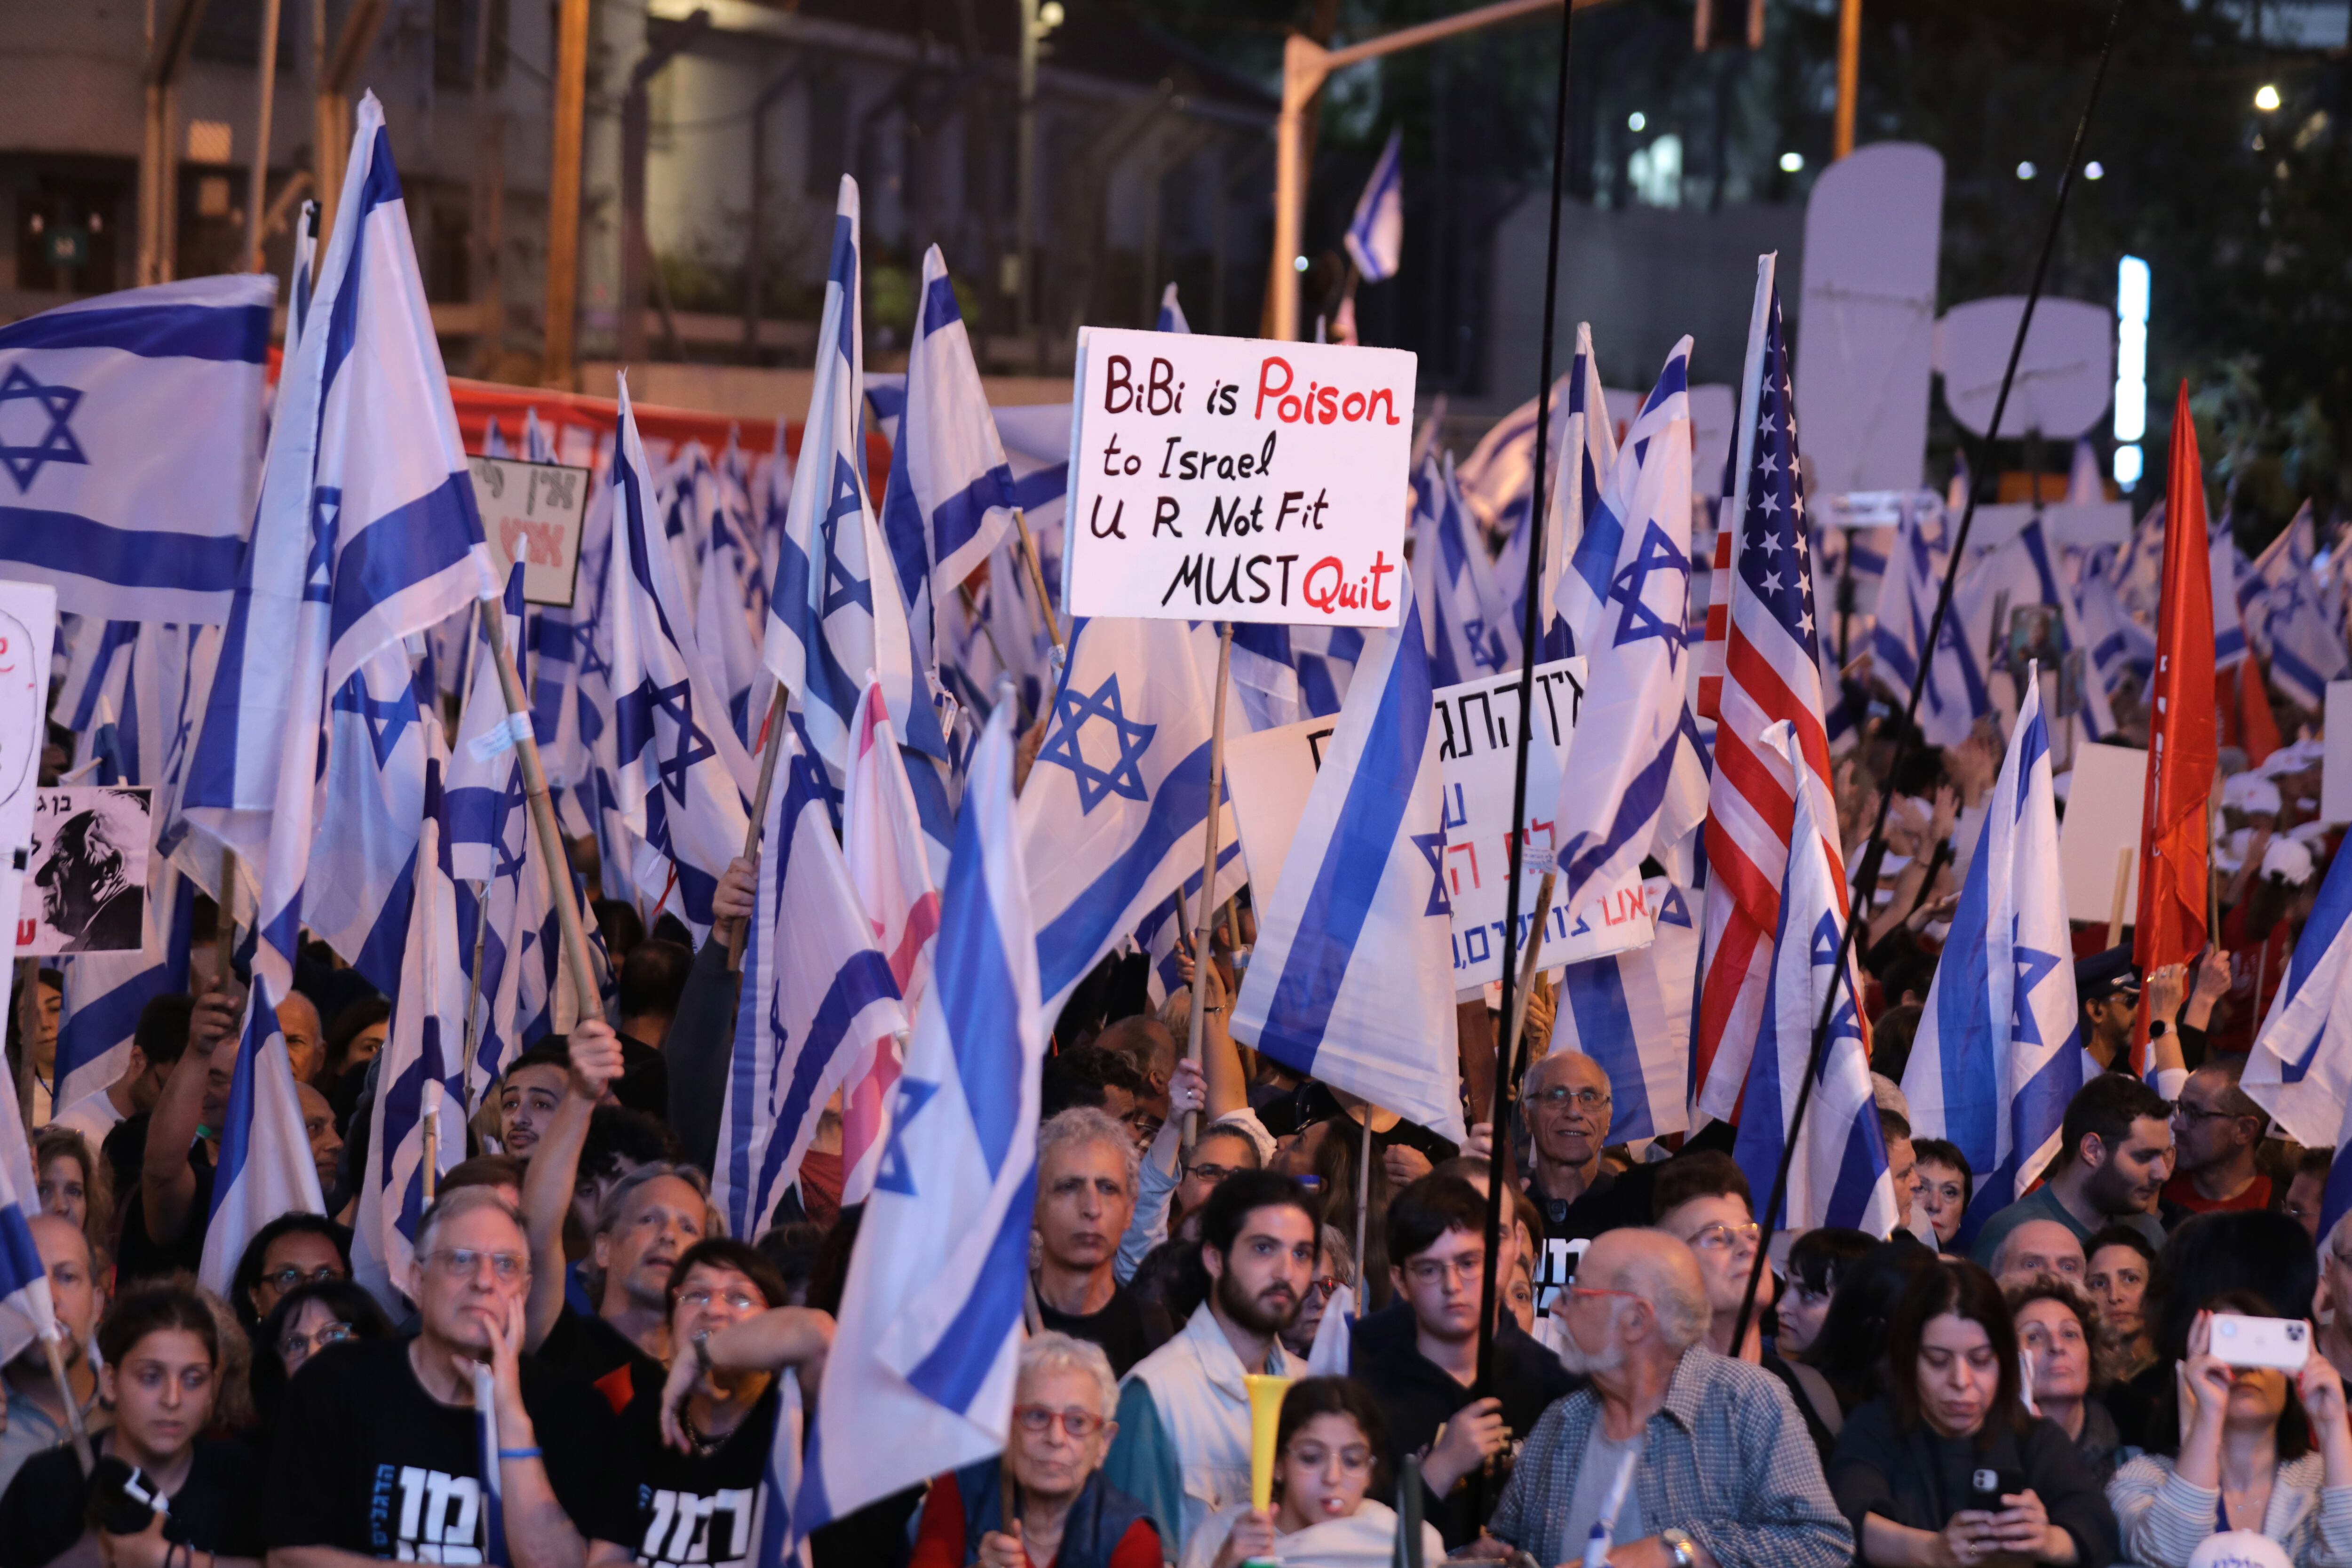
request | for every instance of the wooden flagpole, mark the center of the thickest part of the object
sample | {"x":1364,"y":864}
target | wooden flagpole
{"x":225,"y":927}
{"x":1037,"y":579}
{"x":769,"y":751}
{"x":1202,"y":954}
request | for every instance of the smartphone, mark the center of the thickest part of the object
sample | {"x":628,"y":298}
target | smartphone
{"x":1987,"y":1486}
{"x":121,"y":1498}
{"x":2281,"y":1342}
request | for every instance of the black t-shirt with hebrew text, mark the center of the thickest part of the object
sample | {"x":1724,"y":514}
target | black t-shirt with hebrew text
{"x":672,"y":1508}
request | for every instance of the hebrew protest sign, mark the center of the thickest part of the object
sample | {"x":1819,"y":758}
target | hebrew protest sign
{"x":531,"y":512}
{"x":86,"y":883}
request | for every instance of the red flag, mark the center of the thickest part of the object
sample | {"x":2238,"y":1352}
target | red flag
{"x":2258,"y":729}
{"x":2175,"y":845}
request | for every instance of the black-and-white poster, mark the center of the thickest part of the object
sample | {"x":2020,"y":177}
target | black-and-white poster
{"x":86,"y":885}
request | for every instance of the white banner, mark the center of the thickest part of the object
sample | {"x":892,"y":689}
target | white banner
{"x":28,"y":632}
{"x":1235,"y":480}
{"x":1268,"y":775}
{"x":531,"y":512}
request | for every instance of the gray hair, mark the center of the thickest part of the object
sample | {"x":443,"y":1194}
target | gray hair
{"x":1051,"y":1352}
{"x":616,"y":1196}
{"x":1082,"y":1124}
{"x":1340,"y":1255}
{"x":462,"y":1201}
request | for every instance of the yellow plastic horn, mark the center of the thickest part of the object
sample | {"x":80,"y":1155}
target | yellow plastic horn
{"x":1266,"y":1415}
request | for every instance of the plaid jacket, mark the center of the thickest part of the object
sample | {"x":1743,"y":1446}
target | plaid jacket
{"x":1728,"y":1460}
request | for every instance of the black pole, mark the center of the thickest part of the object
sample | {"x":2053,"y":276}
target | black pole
{"x":1864,"y":892}
{"x":1507,"y":1055}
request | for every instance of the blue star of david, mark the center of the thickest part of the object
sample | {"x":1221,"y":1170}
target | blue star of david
{"x":386,"y":718}
{"x":326,"y":522}
{"x":2033,"y":968}
{"x":511,"y":803}
{"x":841,"y":588}
{"x":1073,"y":710}
{"x":1639,"y":621}
{"x":56,"y":444}
{"x":1672,"y":910}
{"x":1432,"y":848}
{"x":907,"y":1102}
{"x":1825,"y":939}
{"x":677,"y":700}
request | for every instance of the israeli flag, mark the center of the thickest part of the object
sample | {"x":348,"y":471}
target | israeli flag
{"x":1451,"y":605}
{"x":1172,"y":313}
{"x":1839,"y":1176}
{"x":1624,"y":596}
{"x":486,"y":835}
{"x":2020,"y":573}
{"x":1375,"y":238}
{"x":726,"y":633}
{"x":131,"y":441}
{"x":2301,"y":1068}
{"x":371,"y":802}
{"x":1351,"y":980}
{"x":264,"y":1154}
{"x":817,"y":1000}
{"x":1325,"y":659}
{"x":1998,"y":1055}
{"x":1113,"y":810}
{"x":26,"y":1310}
{"x":1264,"y":676}
{"x":300,"y":281}
{"x":2288,"y":617}
{"x":921,"y":1377}
{"x":1166,"y":933}
{"x":2120,"y":646}
{"x":883,"y":849}
{"x":116,"y":698}
{"x":1587,"y":460}
{"x":951,"y":498}
{"x":1631,"y":1011}
{"x":1955,"y":692}
{"x":366,"y":532}
{"x":838,"y":609}
{"x":2229,"y":566}
{"x":422,"y":1071}
{"x":681,"y":778}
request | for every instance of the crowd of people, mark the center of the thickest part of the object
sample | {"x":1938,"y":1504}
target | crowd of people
{"x":2038,"y":1384}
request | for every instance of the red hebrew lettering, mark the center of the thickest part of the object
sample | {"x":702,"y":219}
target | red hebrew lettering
{"x":510,"y":537}
{"x":546,"y":543}
{"x":1453,"y":872}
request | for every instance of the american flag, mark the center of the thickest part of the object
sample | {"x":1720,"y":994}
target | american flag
{"x":1763,"y":665}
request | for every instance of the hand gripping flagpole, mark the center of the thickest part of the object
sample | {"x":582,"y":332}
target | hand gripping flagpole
{"x":543,"y":818}
{"x":1201,"y":955}
{"x":1864,"y":889}
{"x":1506,"y":1065}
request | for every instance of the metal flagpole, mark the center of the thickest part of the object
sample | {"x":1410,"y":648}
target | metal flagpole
{"x":1202,"y":956}
{"x":1863,"y":892}
{"x":1504,"y":1067}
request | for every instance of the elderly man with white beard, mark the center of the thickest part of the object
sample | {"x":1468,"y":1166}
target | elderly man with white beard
{"x":1678,"y":1457}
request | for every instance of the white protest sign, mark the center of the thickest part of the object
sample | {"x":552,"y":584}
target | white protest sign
{"x":532,"y":512}
{"x":2104,"y":800}
{"x":1269,"y":773}
{"x":1235,"y":480}
{"x":86,"y":884}
{"x":28,"y":632}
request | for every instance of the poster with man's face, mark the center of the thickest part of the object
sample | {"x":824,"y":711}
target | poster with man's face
{"x":86,"y":884}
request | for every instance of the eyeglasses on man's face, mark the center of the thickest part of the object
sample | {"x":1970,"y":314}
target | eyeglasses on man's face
{"x":1039,"y":1419}
{"x":465,"y":1262}
{"x":1722,"y":1236}
{"x":1559,"y":1097}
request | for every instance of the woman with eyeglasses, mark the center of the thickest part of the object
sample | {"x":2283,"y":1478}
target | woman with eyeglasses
{"x":1948,"y":1469}
{"x":1045,"y":1504}
{"x":160,"y":1367}
{"x":1336,"y":1271}
{"x":684,"y":1475}
{"x":1326,"y":1463}
{"x":306,"y":1320}
{"x":1946,"y":1187}
{"x":290,"y":1251}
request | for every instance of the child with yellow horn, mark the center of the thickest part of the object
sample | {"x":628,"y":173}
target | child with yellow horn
{"x":1315,"y":1454}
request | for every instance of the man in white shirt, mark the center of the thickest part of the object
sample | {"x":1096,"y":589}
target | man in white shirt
{"x":156,"y":1043}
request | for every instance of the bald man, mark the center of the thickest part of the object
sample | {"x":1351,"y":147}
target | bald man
{"x":2038,"y":1246}
{"x":305,"y":1037}
{"x":37,"y":1416}
{"x":1724,"y":1474}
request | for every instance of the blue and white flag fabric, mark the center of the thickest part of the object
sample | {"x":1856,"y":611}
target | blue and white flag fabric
{"x":366,"y":532}
{"x":1165,"y":939}
{"x":2229,"y":566}
{"x":1172,"y":313}
{"x":26,"y":1310}
{"x":363,"y":856}
{"x":919,"y":1380}
{"x":726,"y":633}
{"x":2121,"y":648}
{"x":1624,"y":597}
{"x":1375,"y":238}
{"x":131,"y":446}
{"x":2022,"y":572}
{"x":1498,"y":478}
{"x":682,"y":780}
{"x":117,"y":697}
{"x":2289,"y":617}
{"x":1112,"y":814}
{"x":1351,"y":979}
{"x":106,"y":992}
{"x":1955,"y":692}
{"x":838,"y":610}
{"x":1264,"y":673}
{"x":950,"y":502}
{"x":1463,"y":644}
{"x":266,"y":1168}
{"x":1839,"y":1176}
{"x":1587,"y":459}
{"x":1325,"y":659}
{"x":1630,"y":1012}
{"x":422,"y":1073}
{"x":817,"y":999}
{"x":2301,"y":1068}
{"x":1998,"y":1055}
{"x":486,"y":835}
{"x":301,"y":278}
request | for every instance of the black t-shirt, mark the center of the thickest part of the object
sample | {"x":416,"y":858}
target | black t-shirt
{"x":594,"y":1352}
{"x":670,"y":1508}
{"x":643,"y":1083}
{"x":1612,"y":1202}
{"x":217,"y":1508}
{"x":1126,"y":1329}
{"x":141,"y":1257}
{"x":367,"y":1461}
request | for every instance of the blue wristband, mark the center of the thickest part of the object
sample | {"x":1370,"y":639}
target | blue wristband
{"x":518,"y":1453}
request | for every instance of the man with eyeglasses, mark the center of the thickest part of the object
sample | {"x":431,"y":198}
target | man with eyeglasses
{"x":1565,"y":1097}
{"x":378,"y":1449}
{"x":33,"y":1417}
{"x":1419,"y":1355}
{"x":2216,"y":1129}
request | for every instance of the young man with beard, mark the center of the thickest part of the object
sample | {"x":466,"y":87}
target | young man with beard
{"x":1183,"y":1444}
{"x":2114,"y":1152}
{"x":378,"y":1450}
{"x":1419,"y":1355}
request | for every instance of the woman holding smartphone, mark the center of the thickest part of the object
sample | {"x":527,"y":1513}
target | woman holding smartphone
{"x":2260,"y":1449}
{"x":1946,"y":1470}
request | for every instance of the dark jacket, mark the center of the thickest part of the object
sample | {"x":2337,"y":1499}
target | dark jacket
{"x":1099,"y":1516}
{"x":1416,"y":1396}
{"x":1921,"y":1478}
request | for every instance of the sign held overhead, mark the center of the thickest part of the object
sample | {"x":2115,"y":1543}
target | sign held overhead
{"x":1235,"y":480}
